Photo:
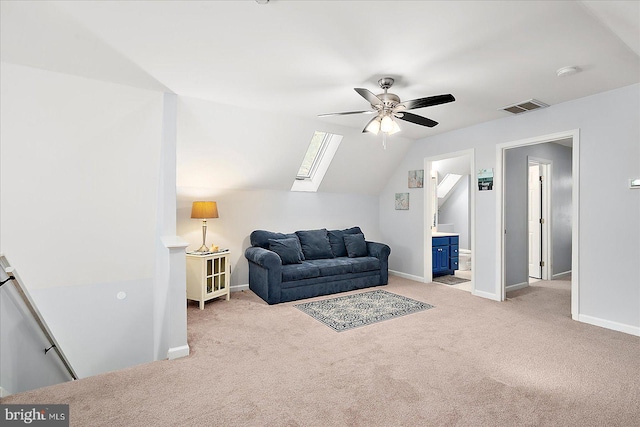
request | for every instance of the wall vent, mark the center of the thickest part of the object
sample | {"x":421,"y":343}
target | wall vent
{"x":523,"y":107}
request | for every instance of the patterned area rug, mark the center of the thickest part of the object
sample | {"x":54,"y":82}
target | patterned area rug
{"x":352,"y":311}
{"x":450,"y":280}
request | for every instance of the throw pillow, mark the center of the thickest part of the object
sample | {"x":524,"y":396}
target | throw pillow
{"x":336,"y":239}
{"x":356,"y":245}
{"x":288,"y":250}
{"x":261,"y":237}
{"x":315,"y":244}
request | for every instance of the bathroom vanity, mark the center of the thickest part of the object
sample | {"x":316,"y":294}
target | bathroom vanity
{"x":444,"y":253}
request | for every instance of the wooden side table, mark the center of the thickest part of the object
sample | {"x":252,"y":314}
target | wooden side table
{"x":208,"y":276}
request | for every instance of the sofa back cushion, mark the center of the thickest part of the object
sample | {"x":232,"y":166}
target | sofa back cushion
{"x":336,"y":239}
{"x":356,"y":245}
{"x":315,"y":244}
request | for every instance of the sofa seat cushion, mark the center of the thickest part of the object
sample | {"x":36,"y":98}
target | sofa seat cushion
{"x":367,"y":263}
{"x":332,"y":266}
{"x":304,"y":270}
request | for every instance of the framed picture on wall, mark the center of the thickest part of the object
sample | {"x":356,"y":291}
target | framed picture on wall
{"x":402,"y":201}
{"x":485,"y":180}
{"x":416,"y":179}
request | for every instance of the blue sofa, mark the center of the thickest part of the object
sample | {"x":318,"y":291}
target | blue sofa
{"x":309,"y":263}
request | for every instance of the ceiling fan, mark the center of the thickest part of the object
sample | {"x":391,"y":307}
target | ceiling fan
{"x":388,"y":106}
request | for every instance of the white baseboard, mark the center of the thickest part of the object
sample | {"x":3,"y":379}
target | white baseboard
{"x":178,"y":352}
{"x":562,"y":275}
{"x":4,"y":392}
{"x":406,"y":276}
{"x":238,"y":288}
{"x":517,"y":286}
{"x":608,"y":324}
{"x":487,"y":295}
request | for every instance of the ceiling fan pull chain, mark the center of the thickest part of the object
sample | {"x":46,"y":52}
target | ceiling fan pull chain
{"x":384,"y":140}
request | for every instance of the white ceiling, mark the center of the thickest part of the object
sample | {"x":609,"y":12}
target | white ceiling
{"x":304,"y":58}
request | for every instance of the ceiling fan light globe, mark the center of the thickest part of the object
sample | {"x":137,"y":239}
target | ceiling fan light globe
{"x":386,"y":125}
{"x":373,"y":127}
{"x":395,"y":128}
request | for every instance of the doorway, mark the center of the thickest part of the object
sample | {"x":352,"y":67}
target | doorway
{"x":451,"y":213}
{"x":563,"y":223}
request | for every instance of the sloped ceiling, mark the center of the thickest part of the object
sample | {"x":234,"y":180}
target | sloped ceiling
{"x":298,"y":59}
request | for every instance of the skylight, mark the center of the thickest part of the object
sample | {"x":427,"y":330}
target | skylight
{"x":312,"y":159}
{"x":320,"y":152}
{"x":447,"y":183}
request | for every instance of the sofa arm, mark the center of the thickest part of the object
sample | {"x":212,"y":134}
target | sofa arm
{"x":265,"y":273}
{"x":263,"y":257}
{"x":378,"y":250}
{"x":381,"y":251}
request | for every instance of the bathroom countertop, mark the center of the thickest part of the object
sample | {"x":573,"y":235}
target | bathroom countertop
{"x":443,"y":234}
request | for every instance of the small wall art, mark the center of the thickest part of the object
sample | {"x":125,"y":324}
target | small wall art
{"x":416,"y":179}
{"x":485,"y":179}
{"x":402,"y":201}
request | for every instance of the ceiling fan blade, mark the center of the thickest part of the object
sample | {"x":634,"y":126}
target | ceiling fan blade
{"x":428,"y":101}
{"x":347,"y":113}
{"x":419,"y":120}
{"x":369,"y":96}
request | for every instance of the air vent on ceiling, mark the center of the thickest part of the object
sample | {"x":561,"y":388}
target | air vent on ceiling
{"x":523,"y":107}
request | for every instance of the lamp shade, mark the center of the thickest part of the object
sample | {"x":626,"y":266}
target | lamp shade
{"x":204,"y":210}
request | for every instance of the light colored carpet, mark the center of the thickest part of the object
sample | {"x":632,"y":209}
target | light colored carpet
{"x":469,"y":362}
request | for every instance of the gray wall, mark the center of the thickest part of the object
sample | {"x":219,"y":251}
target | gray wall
{"x":23,"y":363}
{"x":609,"y":153}
{"x":455,"y":210}
{"x":516,"y":215}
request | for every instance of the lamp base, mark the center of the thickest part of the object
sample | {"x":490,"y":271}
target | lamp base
{"x":203,"y":248}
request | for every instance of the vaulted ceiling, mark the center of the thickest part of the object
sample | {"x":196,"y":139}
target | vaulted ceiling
{"x":304,"y":58}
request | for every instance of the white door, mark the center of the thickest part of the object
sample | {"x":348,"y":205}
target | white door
{"x":535,"y":214}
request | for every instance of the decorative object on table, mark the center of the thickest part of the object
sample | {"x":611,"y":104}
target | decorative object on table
{"x":485,"y":179}
{"x":450,"y":280}
{"x":402,"y":201}
{"x":204,"y":211}
{"x":352,"y":311}
{"x":208,"y":276}
{"x":416,"y":179}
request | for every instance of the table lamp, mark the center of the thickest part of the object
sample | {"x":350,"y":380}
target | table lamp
{"x":203,"y":211}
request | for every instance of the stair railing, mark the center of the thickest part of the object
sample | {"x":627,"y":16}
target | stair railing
{"x":10,"y":275}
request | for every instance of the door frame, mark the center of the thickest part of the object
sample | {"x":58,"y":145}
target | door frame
{"x":428,"y":213}
{"x":575,"y":211}
{"x":546,"y":168}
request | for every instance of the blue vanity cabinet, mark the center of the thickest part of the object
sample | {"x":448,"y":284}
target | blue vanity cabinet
{"x":444,"y":255}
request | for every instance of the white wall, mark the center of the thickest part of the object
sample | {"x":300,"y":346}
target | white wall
{"x":247,"y":160}
{"x":241,"y":212}
{"x":226,"y":147}
{"x":609,"y":153}
{"x":80,"y":166}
